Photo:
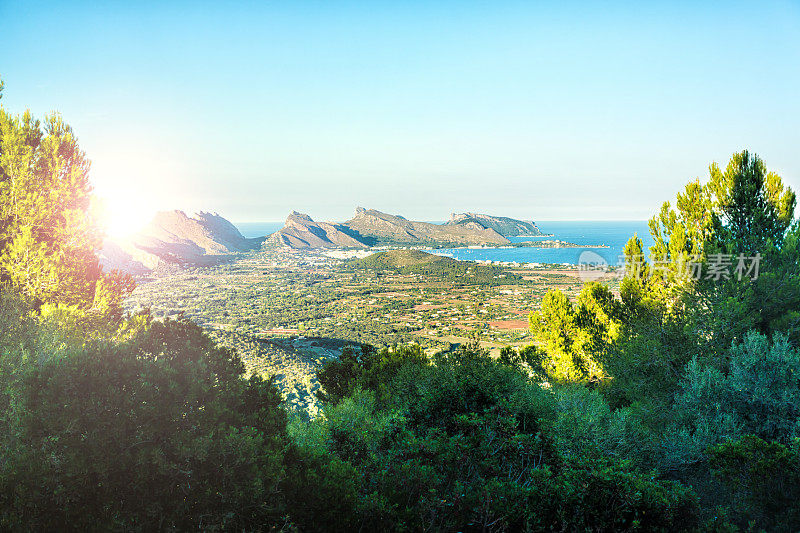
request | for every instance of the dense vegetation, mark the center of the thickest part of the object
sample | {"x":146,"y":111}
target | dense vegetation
{"x":671,"y":406}
{"x":444,"y":268}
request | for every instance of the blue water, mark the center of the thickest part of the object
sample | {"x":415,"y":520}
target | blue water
{"x":613,"y":234}
{"x":257,"y":229}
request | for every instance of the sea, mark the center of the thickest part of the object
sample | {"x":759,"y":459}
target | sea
{"x":612,"y":234}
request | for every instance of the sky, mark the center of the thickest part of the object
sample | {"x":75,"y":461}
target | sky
{"x":535,"y":110}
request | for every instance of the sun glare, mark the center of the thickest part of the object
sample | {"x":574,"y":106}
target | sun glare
{"x":125,"y":216}
{"x":131,"y":188}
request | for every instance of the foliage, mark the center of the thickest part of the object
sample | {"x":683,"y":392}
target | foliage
{"x":764,"y":480}
{"x":741,"y":211}
{"x":464,"y":444}
{"x":672,"y":313}
{"x":690,"y":366}
{"x":574,"y":338}
{"x":48,"y":231}
{"x":647,"y":361}
{"x":157,"y":432}
{"x":415,"y":262}
{"x":754,"y":206}
{"x":365,"y":368}
{"x":760,"y":394}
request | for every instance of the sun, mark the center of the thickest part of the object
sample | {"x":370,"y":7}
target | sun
{"x":123,"y":216}
{"x":132,"y":188}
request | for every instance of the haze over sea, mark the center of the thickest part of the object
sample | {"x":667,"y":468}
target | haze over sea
{"x":613,"y":234}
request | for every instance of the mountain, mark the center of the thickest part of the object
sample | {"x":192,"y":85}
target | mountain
{"x":508,"y":227}
{"x":124,"y":256}
{"x":301,"y":231}
{"x":382,"y":228}
{"x":174,"y":238}
{"x":205,"y":233}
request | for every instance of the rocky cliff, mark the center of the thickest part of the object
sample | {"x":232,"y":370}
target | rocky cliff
{"x":172,"y":237}
{"x":301,"y":231}
{"x":508,"y":227}
{"x":394,"y":229}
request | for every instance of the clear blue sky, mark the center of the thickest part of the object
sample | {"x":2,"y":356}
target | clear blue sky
{"x":562,"y":110}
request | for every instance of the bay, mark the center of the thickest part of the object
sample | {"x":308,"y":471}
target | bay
{"x":613,"y":234}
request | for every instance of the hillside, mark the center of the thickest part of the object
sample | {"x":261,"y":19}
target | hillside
{"x":446,"y":268}
{"x":172,"y":237}
{"x":301,"y":231}
{"x":393,"y":259}
{"x":394,"y":229}
{"x":125,"y":257}
{"x":205,"y":233}
{"x":508,"y":227}
{"x":373,"y":228}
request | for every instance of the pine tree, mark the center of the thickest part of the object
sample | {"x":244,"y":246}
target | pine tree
{"x":48,"y":234}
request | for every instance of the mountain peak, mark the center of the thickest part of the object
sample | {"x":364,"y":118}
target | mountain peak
{"x":508,"y":227}
{"x":395,"y":229}
{"x":173,"y":237}
{"x":295,"y":215}
{"x":301,"y":231}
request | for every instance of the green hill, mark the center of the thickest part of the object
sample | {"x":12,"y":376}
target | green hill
{"x":393,"y":259}
{"x":423,"y":263}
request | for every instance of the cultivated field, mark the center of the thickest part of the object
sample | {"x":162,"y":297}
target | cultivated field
{"x":288,"y":311}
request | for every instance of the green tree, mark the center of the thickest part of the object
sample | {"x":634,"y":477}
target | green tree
{"x":674,"y":309}
{"x":753,"y":205}
{"x":465,"y":444}
{"x":366,"y":368}
{"x":48,"y":232}
{"x":574,"y":339}
{"x":162,"y":431}
{"x":744,"y":209}
{"x":759,"y":395}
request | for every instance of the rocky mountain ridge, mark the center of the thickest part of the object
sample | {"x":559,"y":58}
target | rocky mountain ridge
{"x":508,"y":227}
{"x":384,"y":228}
{"x":370,"y":227}
{"x":301,"y":231}
{"x":172,"y":237}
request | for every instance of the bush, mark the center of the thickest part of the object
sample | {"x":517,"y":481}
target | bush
{"x":467,"y":444}
{"x":161,"y":431}
{"x":764,"y":479}
{"x":760,"y":394}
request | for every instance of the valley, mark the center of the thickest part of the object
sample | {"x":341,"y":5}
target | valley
{"x":287,"y":311}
